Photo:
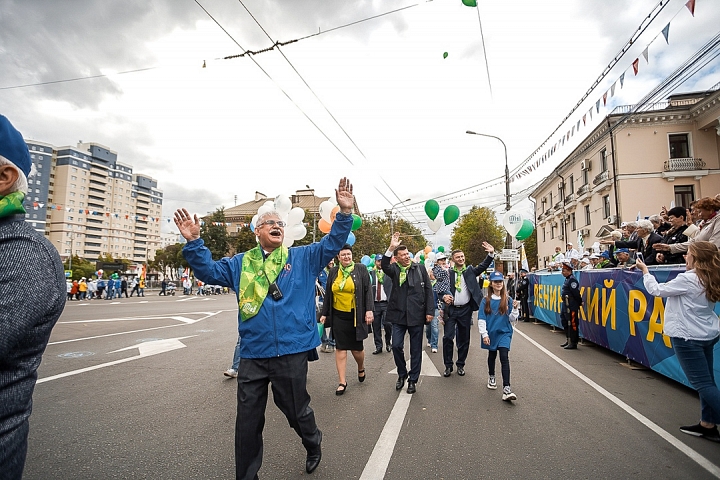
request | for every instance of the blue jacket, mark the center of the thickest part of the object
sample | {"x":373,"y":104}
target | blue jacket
{"x":288,"y":325}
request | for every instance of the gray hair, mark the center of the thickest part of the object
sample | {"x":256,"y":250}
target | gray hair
{"x":21,"y":184}
{"x":632,"y":224}
{"x":261,"y":218}
{"x":655,"y":219}
{"x":646,"y":225}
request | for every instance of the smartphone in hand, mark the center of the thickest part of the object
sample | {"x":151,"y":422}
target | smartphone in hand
{"x":640,"y":257}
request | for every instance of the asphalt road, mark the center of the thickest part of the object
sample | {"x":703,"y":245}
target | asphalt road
{"x":134,"y":389}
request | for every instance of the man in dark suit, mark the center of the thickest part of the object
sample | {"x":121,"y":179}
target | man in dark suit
{"x":381,"y":296}
{"x":462,"y":300}
{"x":643,"y":243}
{"x":410,"y":307}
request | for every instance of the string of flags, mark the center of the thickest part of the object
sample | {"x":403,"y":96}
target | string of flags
{"x":588,"y":115}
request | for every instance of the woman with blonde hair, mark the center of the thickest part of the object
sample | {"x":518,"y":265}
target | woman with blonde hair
{"x":692,"y":325}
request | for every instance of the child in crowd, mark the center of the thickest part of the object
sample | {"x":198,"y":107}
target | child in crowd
{"x":496,"y":317}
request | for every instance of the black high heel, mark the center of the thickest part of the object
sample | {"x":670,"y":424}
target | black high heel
{"x":344,"y":387}
{"x":361,"y":379}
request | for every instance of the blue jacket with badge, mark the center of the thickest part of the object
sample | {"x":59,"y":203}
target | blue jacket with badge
{"x":288,"y":325}
{"x":571,"y":294}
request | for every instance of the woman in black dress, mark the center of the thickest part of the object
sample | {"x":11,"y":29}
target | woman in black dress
{"x":348,"y":310}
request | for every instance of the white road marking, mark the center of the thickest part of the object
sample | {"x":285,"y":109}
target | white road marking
{"x":380,"y":457}
{"x":427,"y":369}
{"x":185,"y":299}
{"x":146,"y":349}
{"x":695,"y":456}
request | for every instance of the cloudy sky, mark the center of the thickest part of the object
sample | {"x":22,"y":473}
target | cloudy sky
{"x":375,"y":101}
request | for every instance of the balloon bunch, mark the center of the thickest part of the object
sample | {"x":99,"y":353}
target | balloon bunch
{"x":435,"y":222}
{"x":517,"y":225}
{"x":328,"y":210}
{"x":293,"y":218}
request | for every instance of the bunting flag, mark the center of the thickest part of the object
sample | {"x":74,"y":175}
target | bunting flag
{"x":597,"y":106}
{"x":605,"y":98}
{"x":645,"y":54}
{"x":666,"y":32}
{"x":622,"y":80}
{"x":612,"y":89}
{"x":584,"y":119}
{"x":578,"y":126}
{"x":635,"y":65}
{"x":691,"y":6}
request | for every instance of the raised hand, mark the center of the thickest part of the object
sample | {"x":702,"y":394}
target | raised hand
{"x":344,"y":195}
{"x":516,"y":304}
{"x":189,"y":227}
{"x":394,"y":241}
{"x":488,"y":248}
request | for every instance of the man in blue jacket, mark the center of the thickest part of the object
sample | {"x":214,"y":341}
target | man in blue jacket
{"x":461,"y":301}
{"x":275,"y":290}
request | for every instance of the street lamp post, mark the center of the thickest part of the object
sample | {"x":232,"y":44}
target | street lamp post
{"x":390,"y":216}
{"x":314,"y":208}
{"x":508,"y":240}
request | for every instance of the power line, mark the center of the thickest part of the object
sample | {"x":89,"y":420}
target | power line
{"x":90,"y":77}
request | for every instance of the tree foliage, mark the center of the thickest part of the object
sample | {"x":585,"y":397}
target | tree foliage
{"x":374,"y":236}
{"x":477,"y":226}
{"x":216,"y":237}
{"x":531,"y":251}
{"x":169,"y":259}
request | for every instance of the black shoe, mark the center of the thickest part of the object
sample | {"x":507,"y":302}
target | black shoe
{"x":400,"y":383}
{"x":377,"y":350}
{"x":361,"y":379}
{"x":700,"y":431}
{"x":313,"y":457}
{"x":341,"y":389}
{"x":565,"y":344}
{"x":571,"y":346}
{"x":461,"y":371}
{"x":447,"y":372}
{"x":388,"y":348}
{"x":411,"y":387}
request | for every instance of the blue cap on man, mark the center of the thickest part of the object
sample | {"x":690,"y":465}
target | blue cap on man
{"x":13,"y":146}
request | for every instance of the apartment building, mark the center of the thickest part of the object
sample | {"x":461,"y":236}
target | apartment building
{"x":89,"y":204}
{"x":635,"y":161}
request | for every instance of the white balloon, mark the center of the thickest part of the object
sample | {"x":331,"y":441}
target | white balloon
{"x":296,"y":231}
{"x":513,"y":222}
{"x":282,"y":204}
{"x":431,"y":256}
{"x":325,"y":210}
{"x":269,"y":203}
{"x":264,"y":209}
{"x":296,"y":216}
{"x":288,"y":241}
{"x":253,"y":222}
{"x":436,"y":224}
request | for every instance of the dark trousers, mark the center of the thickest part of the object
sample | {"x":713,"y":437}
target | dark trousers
{"x":504,"y":364}
{"x":379,"y":325}
{"x":288,"y":378}
{"x":569,"y":322}
{"x":525,"y":310}
{"x":13,"y":450}
{"x":456,"y":318}
{"x":398,"y":348}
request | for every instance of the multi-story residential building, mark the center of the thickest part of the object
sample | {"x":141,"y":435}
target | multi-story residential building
{"x":635,"y":161}
{"x":89,"y":204}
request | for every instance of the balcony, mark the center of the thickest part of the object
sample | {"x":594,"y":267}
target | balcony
{"x":684,"y":167}
{"x":601,"y":177}
{"x":558,"y":206}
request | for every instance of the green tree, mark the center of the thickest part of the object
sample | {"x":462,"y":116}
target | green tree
{"x":215,"y":234}
{"x":245,"y":239}
{"x":477,"y":226}
{"x":374,"y":236}
{"x":531,"y":251}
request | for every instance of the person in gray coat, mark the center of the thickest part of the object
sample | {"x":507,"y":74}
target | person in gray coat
{"x":28,"y":308}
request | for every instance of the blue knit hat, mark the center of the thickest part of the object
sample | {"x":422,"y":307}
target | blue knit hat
{"x":13,"y":147}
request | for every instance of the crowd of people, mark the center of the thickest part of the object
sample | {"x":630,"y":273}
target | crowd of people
{"x":104,"y":289}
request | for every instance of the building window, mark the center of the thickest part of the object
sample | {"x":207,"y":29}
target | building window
{"x":603,"y":160}
{"x":587,"y":214}
{"x":571,"y":185}
{"x":550,"y":199}
{"x":552,"y":231}
{"x":585,"y":177}
{"x":684,"y":195}
{"x":679,"y":145}
{"x":573,"y":225}
{"x":606,"y":206}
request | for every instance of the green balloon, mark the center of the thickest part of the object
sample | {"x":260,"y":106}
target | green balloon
{"x":441,"y":248}
{"x":526,"y":230}
{"x":432,"y":208}
{"x":422,"y":257}
{"x":470,"y":3}
{"x":445,"y":55}
{"x":357,"y":222}
{"x":451,"y":214}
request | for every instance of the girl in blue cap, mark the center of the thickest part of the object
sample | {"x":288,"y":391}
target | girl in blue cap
{"x":496,"y":317}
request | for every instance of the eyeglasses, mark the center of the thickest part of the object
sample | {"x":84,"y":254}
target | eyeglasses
{"x":271,"y":223}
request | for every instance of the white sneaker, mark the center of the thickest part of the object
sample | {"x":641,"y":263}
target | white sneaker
{"x":230,"y":372}
{"x":492,"y":384}
{"x":428,"y":344}
{"x":508,"y":395}
{"x":434,"y":350}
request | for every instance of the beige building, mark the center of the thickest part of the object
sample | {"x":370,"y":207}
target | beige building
{"x":96,"y":205}
{"x":632,"y":162}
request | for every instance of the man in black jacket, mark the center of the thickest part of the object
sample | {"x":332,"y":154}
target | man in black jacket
{"x":381,"y":296}
{"x":410,"y":307}
{"x":462,"y":300}
{"x":523,"y":295}
{"x":643,"y":242}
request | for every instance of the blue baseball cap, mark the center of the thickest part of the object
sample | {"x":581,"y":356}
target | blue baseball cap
{"x":13,"y":146}
{"x":495,"y":276}
{"x":378,"y":256}
{"x":622,"y":250}
{"x":605,"y":254}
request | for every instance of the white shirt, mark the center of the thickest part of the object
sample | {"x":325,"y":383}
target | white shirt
{"x":461,"y":297}
{"x":688,"y":313}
